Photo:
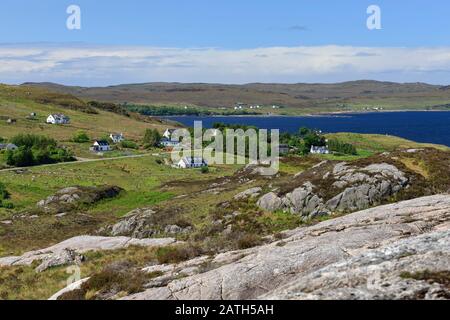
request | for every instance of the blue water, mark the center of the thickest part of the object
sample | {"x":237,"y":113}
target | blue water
{"x":430,"y":127}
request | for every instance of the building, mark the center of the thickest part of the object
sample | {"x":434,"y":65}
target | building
{"x":11,"y":121}
{"x":8,"y":146}
{"x":167,"y":143}
{"x":58,"y":119}
{"x":100,"y":146}
{"x":284,"y":149}
{"x":168,"y":133}
{"x":319,"y":150}
{"x":116,"y":137}
{"x":192,"y":162}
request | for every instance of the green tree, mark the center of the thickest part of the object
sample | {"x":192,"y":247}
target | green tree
{"x":21,"y":157}
{"x":152,"y":138}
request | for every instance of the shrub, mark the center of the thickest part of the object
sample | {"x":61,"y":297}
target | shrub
{"x":129,"y":144}
{"x":205,"y":170}
{"x":80,"y":137}
{"x":341,"y":147}
{"x":4,"y":194}
{"x":248,"y":240}
{"x":176,"y":254}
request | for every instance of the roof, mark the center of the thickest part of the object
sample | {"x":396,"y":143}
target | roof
{"x":7,"y":145}
{"x":191,"y":160}
{"x":101,"y":142}
{"x":59,"y":116}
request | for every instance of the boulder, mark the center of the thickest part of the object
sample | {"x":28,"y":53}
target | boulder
{"x":270,"y":202}
{"x":70,"y":198}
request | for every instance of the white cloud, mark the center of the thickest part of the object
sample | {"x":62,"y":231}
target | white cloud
{"x":104,"y":65}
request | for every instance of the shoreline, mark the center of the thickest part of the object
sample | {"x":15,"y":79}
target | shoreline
{"x":318,"y":114}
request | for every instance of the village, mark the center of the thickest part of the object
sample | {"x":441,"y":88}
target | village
{"x":166,"y":141}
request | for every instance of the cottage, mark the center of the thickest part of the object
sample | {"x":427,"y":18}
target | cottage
{"x":167,"y":143}
{"x":58,"y":119}
{"x":168,"y":133}
{"x":33,"y":114}
{"x":100,"y":146}
{"x":11,"y":121}
{"x":319,"y":150}
{"x":192,"y":162}
{"x":116,"y":137}
{"x":8,"y":146}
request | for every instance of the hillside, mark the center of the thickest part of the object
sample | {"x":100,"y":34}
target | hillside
{"x":295,"y":98}
{"x":18,"y":102}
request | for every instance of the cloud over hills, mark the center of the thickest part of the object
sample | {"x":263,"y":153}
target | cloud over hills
{"x":82,"y":64}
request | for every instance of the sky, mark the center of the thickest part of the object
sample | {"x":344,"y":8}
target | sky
{"x":222,"y":41}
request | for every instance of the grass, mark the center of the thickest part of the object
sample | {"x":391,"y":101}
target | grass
{"x":380,"y":143}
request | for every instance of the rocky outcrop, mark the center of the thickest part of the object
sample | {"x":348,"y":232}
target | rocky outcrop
{"x":335,"y":259}
{"x":68,"y":199}
{"x":69,"y":251}
{"x":137,"y":224}
{"x":250,"y":193}
{"x":354,"y":189}
{"x":415,"y":268}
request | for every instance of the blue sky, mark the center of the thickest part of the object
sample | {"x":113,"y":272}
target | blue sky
{"x":228,"y":27}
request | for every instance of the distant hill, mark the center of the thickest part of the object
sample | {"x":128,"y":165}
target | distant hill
{"x":294,"y":98}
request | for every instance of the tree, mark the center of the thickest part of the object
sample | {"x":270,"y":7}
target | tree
{"x":22,"y":157}
{"x":152,"y":138}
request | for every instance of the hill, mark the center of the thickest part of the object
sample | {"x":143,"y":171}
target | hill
{"x":96,"y":119}
{"x":293,"y":98}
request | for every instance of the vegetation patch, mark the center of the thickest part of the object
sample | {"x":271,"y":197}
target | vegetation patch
{"x":36,"y":150}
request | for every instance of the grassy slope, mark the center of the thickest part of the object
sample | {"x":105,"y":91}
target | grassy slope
{"x":18,"y":105}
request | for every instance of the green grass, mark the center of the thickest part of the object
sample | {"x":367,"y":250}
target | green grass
{"x":380,"y":143}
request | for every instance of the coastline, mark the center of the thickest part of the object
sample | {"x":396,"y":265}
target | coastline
{"x":316,"y":114}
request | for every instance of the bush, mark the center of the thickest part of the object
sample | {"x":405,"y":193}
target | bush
{"x":176,"y":254}
{"x":4,"y":194}
{"x":80,"y":137}
{"x":205,"y":170}
{"x":129,"y":144}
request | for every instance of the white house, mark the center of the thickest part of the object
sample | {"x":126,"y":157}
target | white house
{"x":8,"y":146}
{"x":168,"y":133}
{"x":192,"y":162}
{"x":116,"y":137}
{"x":319,"y":150}
{"x":58,"y":119}
{"x":167,"y":143}
{"x":100,"y":146}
